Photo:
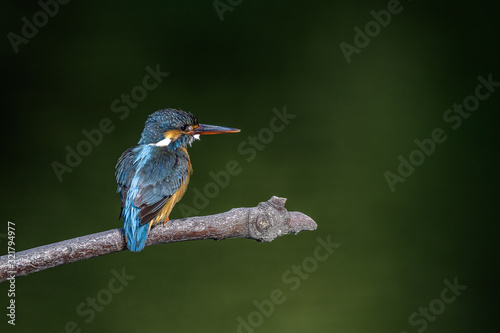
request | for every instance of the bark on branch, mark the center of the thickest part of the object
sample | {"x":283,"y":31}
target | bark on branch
{"x":263,"y":223}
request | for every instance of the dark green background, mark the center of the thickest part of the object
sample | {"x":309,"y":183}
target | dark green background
{"x":352,"y":122}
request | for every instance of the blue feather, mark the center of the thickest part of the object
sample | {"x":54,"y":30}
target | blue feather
{"x":147,"y":176}
{"x":136,"y":234}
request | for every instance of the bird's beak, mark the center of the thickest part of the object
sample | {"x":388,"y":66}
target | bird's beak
{"x":212,"y":129}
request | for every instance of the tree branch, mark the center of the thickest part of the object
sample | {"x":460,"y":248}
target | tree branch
{"x":263,"y":223}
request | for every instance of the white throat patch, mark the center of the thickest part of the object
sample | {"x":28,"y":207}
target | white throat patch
{"x":163,"y":143}
{"x":167,"y":141}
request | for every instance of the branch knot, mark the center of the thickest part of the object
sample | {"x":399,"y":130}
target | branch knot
{"x":269,"y":220}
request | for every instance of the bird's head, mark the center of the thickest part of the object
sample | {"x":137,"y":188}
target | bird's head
{"x":175,"y":129}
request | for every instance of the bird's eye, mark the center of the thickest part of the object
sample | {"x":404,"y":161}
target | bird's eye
{"x":184,"y":127}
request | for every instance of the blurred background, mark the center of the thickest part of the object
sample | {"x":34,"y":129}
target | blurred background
{"x":231,"y":63}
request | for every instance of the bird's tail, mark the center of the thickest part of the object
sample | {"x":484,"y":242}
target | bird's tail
{"x":135,"y":233}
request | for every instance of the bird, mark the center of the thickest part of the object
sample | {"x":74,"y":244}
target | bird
{"x":153,"y":176}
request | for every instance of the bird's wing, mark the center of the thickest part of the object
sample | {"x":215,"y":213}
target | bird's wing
{"x":125,"y":171}
{"x":156,"y":179}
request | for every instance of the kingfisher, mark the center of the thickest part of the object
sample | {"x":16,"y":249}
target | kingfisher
{"x":153,"y":176}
